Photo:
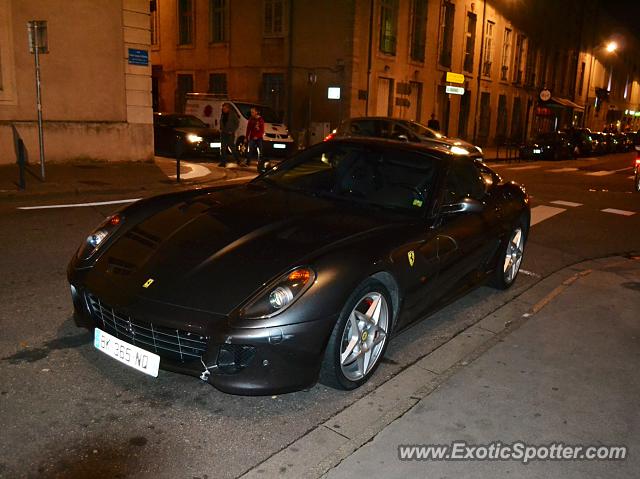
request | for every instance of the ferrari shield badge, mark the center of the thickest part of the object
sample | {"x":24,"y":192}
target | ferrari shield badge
{"x":148,"y":283}
{"x":412,"y":257}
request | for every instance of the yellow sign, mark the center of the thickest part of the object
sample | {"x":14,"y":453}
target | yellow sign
{"x":455,"y":77}
{"x":412,"y":257}
{"x":148,"y":283}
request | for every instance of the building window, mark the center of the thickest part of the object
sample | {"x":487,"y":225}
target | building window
{"x":184,"y":86}
{"x":218,"y":83}
{"x":516,"y":120}
{"x":418,"y":30}
{"x":583,"y":65}
{"x":501,"y":125}
{"x":485,"y":116}
{"x":273,"y":91}
{"x":470,"y":42}
{"x":446,"y":36}
{"x":388,"y":26}
{"x":506,"y":54}
{"x":530,"y":68}
{"x":274,"y":24}
{"x":154,"y":26}
{"x":487,"y":61}
{"x":218,"y":14}
{"x":185,"y":22}
{"x":519,"y":58}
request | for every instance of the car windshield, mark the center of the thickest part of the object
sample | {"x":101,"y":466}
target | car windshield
{"x":389,"y":179}
{"x":187,"y":121}
{"x":422,"y":130}
{"x":267,"y":113}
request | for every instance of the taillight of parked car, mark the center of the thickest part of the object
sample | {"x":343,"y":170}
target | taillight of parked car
{"x":330,"y":136}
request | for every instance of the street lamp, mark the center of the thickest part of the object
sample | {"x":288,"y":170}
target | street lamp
{"x":611,"y":47}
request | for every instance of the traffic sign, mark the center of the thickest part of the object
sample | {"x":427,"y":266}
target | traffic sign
{"x":454,"y":90}
{"x":455,"y":77}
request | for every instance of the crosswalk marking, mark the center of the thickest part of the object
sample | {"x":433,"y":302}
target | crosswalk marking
{"x":571,"y":204}
{"x":618,"y":212}
{"x":541,"y":213}
{"x":562,"y":170}
{"x":600,"y":173}
{"x":528,"y":167}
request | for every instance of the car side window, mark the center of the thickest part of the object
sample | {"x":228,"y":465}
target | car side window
{"x":463,"y":181}
{"x":362,"y":128}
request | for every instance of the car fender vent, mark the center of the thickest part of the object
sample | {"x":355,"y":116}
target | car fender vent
{"x":144,"y":238}
{"x":118,"y":266}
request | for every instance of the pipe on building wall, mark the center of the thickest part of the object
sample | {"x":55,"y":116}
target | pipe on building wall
{"x":290,"y":68}
{"x":479,"y":74}
{"x":369,"y":58}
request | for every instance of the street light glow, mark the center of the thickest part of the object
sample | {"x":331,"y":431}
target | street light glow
{"x":612,"y":47}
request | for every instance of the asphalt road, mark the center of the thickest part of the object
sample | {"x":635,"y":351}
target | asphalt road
{"x":69,"y":411}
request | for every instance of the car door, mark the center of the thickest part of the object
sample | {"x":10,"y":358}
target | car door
{"x":467,"y":239}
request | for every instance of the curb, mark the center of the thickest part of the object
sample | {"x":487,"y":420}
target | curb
{"x":325,"y":446}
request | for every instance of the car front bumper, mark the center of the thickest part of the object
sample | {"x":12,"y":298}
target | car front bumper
{"x":247,"y":361}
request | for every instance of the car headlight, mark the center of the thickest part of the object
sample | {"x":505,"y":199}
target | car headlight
{"x":280,"y":294}
{"x":479,"y":150}
{"x":458,"y":150}
{"x":95,"y":239}
{"x":193,"y":138}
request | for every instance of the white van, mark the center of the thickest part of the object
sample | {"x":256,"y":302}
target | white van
{"x":277,"y":141}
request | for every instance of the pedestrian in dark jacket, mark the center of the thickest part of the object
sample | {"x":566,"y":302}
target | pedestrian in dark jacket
{"x":228,"y":126}
{"x":433,"y":123}
{"x":254,"y":134}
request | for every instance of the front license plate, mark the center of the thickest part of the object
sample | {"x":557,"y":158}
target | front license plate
{"x":126,"y":353}
{"x":215,"y":145}
{"x":537,"y":150}
{"x":280,"y":146}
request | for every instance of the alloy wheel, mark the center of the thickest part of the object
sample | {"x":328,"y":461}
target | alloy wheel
{"x":513,"y":256}
{"x":364,"y":336}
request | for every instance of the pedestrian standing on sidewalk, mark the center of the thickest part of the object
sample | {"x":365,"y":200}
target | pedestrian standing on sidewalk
{"x":228,"y":125}
{"x":254,"y":134}
{"x":433,"y":123}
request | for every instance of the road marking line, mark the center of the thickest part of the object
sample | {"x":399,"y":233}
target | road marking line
{"x":557,"y":291}
{"x":631,"y":177}
{"x":562,"y":170}
{"x":197,"y":171}
{"x":541,"y":213}
{"x":600,"y":173}
{"x":529,"y":167}
{"x":571,"y":204}
{"x":530,"y":273}
{"x":78,"y":205}
{"x":618,"y":212}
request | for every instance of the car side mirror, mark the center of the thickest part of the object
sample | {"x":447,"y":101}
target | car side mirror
{"x":402,"y":138}
{"x":468,"y":205}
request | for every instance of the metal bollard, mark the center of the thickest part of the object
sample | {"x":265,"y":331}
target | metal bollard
{"x":21,"y":164}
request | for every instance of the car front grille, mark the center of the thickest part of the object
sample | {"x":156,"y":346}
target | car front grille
{"x":173,"y":344}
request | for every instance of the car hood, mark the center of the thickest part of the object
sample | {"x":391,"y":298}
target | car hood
{"x":201,"y":131}
{"x":211,"y":252}
{"x":452,"y":142}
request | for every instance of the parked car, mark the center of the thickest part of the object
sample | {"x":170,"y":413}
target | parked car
{"x":636,"y":165}
{"x":548,"y":146}
{"x":600,"y":146}
{"x":277,"y":142}
{"x":306,"y":271}
{"x":402,"y":130}
{"x":581,"y":140}
{"x":176,"y":134}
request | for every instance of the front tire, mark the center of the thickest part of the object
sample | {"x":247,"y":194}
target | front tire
{"x":637,"y":182}
{"x":510,"y":257}
{"x":359,"y":338}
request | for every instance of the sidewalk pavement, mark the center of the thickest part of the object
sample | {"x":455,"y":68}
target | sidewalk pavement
{"x":558,"y":364}
{"x":85,"y":177}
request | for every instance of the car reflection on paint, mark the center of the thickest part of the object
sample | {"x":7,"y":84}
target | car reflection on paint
{"x":304,"y":273}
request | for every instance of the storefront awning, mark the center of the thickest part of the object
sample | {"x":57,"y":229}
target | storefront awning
{"x":566,"y":103}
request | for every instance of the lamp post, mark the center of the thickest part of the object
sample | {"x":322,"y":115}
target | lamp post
{"x":610,"y":47}
{"x":38,"y":44}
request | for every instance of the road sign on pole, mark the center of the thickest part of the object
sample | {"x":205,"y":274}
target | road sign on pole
{"x":38,"y":43}
{"x":454,"y":90}
{"x":455,"y":77}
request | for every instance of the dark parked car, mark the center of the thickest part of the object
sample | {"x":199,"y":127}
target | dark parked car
{"x":403,"y":130}
{"x":548,"y":146}
{"x":306,"y":271}
{"x":581,"y":140}
{"x":600,"y":146}
{"x":175,"y":134}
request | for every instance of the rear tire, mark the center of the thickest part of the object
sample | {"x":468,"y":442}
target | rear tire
{"x":510,"y":257}
{"x":637,"y":182}
{"x":359,"y":338}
